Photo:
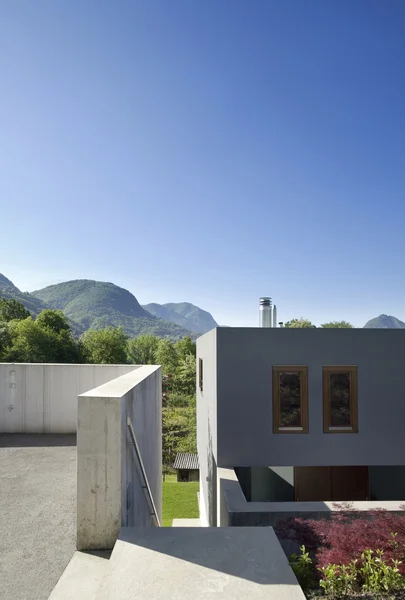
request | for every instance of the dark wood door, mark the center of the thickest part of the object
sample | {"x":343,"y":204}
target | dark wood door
{"x":336,"y":484}
{"x":312,"y":484}
{"x":349,"y":483}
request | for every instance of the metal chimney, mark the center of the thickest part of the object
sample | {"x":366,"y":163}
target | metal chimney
{"x":265,"y":313}
{"x":274,"y":322}
{"x":281,"y":324}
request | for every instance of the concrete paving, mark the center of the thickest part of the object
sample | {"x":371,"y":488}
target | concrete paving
{"x":82,"y":577}
{"x":37,"y":513}
{"x":202,"y":563}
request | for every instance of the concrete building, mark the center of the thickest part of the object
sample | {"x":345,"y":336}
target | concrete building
{"x":296,"y":419}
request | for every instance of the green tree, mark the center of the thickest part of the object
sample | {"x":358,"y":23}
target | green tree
{"x":185,"y":377}
{"x":300,"y":323}
{"x":54,"y":320}
{"x":337,"y":325}
{"x":142,"y":350}
{"x":166,"y":356}
{"x":179,"y":432}
{"x":28,"y":342}
{"x":185,"y":347}
{"x":11,"y":309}
{"x":104,"y":346}
{"x":5,"y":339}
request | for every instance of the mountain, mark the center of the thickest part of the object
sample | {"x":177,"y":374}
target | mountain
{"x":9,"y":290}
{"x":385,"y":322}
{"x":97,"y":304}
{"x":184,"y":314}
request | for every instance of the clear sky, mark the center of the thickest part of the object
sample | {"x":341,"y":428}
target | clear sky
{"x":207,"y":151}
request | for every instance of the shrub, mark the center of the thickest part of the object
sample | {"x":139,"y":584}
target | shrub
{"x":303,"y":568}
{"x":343,"y":538}
{"x":338,"y":580}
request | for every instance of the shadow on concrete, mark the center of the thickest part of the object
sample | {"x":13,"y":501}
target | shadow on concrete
{"x":36,"y":440}
{"x":252,"y":554}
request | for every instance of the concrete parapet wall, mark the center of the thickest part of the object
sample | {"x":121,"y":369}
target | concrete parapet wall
{"x":42,"y":398}
{"x":109,"y":486}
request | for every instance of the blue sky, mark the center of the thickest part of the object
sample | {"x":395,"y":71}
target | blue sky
{"x":208,"y":151}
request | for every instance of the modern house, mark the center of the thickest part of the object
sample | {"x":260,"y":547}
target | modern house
{"x":81,"y":470}
{"x":292,"y":420}
{"x":187,"y":467}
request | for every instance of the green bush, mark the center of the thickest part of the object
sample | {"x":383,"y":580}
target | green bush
{"x":371,"y":574}
{"x":303,"y":568}
{"x":377,"y":575}
{"x":338,"y":580}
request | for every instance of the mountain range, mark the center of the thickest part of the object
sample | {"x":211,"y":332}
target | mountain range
{"x":96,"y":304}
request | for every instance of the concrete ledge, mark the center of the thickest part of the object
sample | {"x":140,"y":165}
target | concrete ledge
{"x":204,"y":562}
{"x":82,"y":578}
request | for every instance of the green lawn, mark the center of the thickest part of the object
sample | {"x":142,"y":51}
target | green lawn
{"x":179,"y":500}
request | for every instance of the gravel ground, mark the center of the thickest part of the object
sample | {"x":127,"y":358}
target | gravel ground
{"x":37,"y":513}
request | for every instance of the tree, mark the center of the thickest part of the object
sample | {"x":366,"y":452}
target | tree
{"x":300,"y":323}
{"x":179,"y":432}
{"x":5,"y":339}
{"x":337,"y":325}
{"x":142,"y":350}
{"x":11,"y":309}
{"x":54,"y":320}
{"x":104,"y":346}
{"x":185,"y":378}
{"x":28,"y":342}
{"x":166,"y":356}
{"x":185,"y":347}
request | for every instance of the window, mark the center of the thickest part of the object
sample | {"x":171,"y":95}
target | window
{"x":200,"y":374}
{"x":340,"y":400}
{"x":290,"y":399}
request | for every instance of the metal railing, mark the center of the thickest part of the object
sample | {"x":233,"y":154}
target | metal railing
{"x":145,"y":484}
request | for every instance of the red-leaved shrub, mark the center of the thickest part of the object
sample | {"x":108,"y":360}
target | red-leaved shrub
{"x":347,"y":534}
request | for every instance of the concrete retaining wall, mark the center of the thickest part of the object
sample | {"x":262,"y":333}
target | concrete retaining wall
{"x":42,"y":398}
{"x":109,"y":485}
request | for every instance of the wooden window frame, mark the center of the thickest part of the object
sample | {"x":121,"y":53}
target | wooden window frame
{"x":354,"y":422}
{"x":303,"y":370}
{"x":200,"y":374}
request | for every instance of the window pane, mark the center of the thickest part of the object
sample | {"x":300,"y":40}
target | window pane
{"x":339,"y":399}
{"x":290,"y":399}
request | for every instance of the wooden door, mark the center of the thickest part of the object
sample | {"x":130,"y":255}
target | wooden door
{"x":312,"y":484}
{"x":349,"y":484}
{"x":336,"y":484}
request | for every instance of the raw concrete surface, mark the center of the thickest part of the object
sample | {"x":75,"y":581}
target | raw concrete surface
{"x":82,"y":577}
{"x":37,"y":513}
{"x":201,"y":563}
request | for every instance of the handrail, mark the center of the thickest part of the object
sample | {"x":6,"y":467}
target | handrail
{"x":146,"y":485}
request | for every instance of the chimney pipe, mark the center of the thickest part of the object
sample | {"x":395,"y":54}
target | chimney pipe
{"x":265,"y":313}
{"x":274,"y":323}
{"x":281,"y":324}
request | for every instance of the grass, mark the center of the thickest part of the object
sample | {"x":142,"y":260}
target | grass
{"x":179,"y":500}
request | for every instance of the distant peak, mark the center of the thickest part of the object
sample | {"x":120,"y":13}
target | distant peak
{"x":4,"y":282}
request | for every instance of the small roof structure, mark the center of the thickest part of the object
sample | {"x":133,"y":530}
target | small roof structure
{"x":186,"y":461}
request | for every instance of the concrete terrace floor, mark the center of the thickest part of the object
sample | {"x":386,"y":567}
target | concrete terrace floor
{"x":37,"y":513}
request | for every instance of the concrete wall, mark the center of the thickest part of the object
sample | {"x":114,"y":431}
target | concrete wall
{"x":207,"y":427}
{"x":42,"y":398}
{"x":109,"y":485}
{"x":387,"y":483}
{"x":243,"y":379}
